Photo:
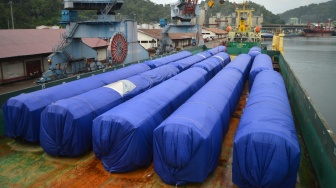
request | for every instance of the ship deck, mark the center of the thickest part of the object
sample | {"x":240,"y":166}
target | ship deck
{"x":24,"y":164}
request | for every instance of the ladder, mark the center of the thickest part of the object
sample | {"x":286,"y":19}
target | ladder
{"x":108,"y":7}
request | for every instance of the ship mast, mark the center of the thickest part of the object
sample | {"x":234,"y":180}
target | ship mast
{"x":243,"y":14}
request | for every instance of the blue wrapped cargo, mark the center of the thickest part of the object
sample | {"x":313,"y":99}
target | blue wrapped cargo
{"x":214,"y":64}
{"x":113,"y":76}
{"x":66,"y":125}
{"x":266,"y":151}
{"x":217,"y":49}
{"x":241,"y":63}
{"x":186,"y":63}
{"x":225,"y":57}
{"x":254,"y":51}
{"x":22,"y":112}
{"x":187,"y":145}
{"x":260,"y":63}
{"x":123,"y":136}
{"x":167,"y":59}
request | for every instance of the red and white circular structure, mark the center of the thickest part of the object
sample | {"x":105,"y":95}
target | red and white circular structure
{"x":118,"y":48}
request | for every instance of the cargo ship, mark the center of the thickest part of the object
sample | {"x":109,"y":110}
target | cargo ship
{"x":26,"y":164}
{"x":318,"y":30}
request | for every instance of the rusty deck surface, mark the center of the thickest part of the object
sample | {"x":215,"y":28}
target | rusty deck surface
{"x":26,"y":165}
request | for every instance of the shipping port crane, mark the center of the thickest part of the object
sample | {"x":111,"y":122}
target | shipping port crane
{"x":183,"y":11}
{"x":71,"y":54}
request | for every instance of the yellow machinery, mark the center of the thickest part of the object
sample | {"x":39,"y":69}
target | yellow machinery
{"x":244,"y":31}
{"x":211,"y":3}
{"x":277,"y":43}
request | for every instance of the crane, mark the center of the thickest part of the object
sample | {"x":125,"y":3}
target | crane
{"x":71,"y":53}
{"x":184,"y":11}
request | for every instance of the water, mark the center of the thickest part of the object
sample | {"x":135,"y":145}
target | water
{"x":313,"y":61}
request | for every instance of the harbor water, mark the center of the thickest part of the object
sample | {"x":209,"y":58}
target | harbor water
{"x":312,"y":60}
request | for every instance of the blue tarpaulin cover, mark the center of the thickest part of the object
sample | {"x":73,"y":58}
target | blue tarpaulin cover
{"x":214,"y":64}
{"x":167,"y":59}
{"x":225,"y":57}
{"x":113,"y":76}
{"x":201,"y":123}
{"x":266,"y":151}
{"x":260,"y":63}
{"x":66,"y":125}
{"x":123,"y":136}
{"x":187,"y":145}
{"x":241,"y":63}
{"x":185,"y":63}
{"x":217,"y":49}
{"x":22,"y":112}
{"x":254,"y":51}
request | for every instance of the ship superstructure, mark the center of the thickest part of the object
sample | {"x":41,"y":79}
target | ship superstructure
{"x":243,"y":32}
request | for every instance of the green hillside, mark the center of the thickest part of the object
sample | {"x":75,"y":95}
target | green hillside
{"x":32,"y":13}
{"x":313,"y":12}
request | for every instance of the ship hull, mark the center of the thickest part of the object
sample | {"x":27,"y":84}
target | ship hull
{"x":314,"y":33}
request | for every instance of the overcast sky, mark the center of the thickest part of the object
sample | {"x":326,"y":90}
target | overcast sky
{"x":275,"y":6}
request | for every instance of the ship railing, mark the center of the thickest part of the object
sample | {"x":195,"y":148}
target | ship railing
{"x":317,"y":134}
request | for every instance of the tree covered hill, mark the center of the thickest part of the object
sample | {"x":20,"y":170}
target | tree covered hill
{"x":32,"y":13}
{"x":313,"y":12}
{"x":29,"y":13}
